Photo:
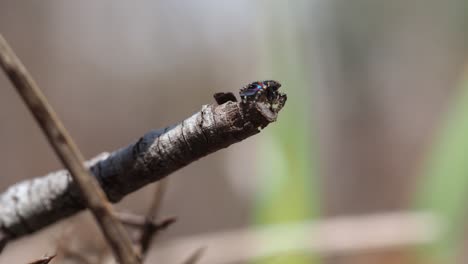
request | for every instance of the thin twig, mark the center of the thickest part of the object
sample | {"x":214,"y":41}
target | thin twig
{"x":148,"y":231}
{"x":139,"y":221}
{"x":44,"y":260}
{"x":195,"y":256}
{"x":68,"y":152}
{"x":159,"y":191}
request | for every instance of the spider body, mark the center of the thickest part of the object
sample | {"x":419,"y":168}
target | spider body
{"x":256,"y":90}
{"x":264,"y":91}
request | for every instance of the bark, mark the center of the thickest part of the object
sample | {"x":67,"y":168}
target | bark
{"x":31,"y":205}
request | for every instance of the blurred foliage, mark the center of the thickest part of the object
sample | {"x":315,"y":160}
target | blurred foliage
{"x":444,"y":183}
{"x":287,"y":164}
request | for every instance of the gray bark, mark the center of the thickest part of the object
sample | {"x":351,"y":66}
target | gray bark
{"x":33,"y":204}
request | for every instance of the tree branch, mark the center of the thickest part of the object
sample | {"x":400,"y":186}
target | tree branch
{"x":33,"y":204}
{"x":148,"y":230}
{"x":139,"y":221}
{"x":92,"y":196}
{"x":195,"y":256}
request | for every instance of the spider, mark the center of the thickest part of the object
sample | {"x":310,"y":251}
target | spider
{"x":264,"y":91}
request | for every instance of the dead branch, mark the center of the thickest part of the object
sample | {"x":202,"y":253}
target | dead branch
{"x":139,"y":221}
{"x":44,"y":260}
{"x":195,"y":256}
{"x":31,"y":205}
{"x":148,"y":230}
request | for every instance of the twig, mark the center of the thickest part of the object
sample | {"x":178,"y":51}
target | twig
{"x":68,"y":152}
{"x":33,"y":204}
{"x":159,"y":191}
{"x":148,"y":230}
{"x":195,"y":256}
{"x":44,"y":260}
{"x":138,"y":221}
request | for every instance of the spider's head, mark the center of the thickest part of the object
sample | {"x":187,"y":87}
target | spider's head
{"x":270,"y":84}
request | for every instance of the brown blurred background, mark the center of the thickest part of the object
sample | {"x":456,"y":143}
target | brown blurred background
{"x":373,"y":123}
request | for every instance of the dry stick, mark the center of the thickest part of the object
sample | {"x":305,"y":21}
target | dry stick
{"x":44,"y":260}
{"x":65,"y":148}
{"x":138,"y":221}
{"x":33,"y":204}
{"x":148,"y":230}
{"x":195,"y":256}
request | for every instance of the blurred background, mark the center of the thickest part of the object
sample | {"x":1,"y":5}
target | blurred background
{"x":366,"y":163}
